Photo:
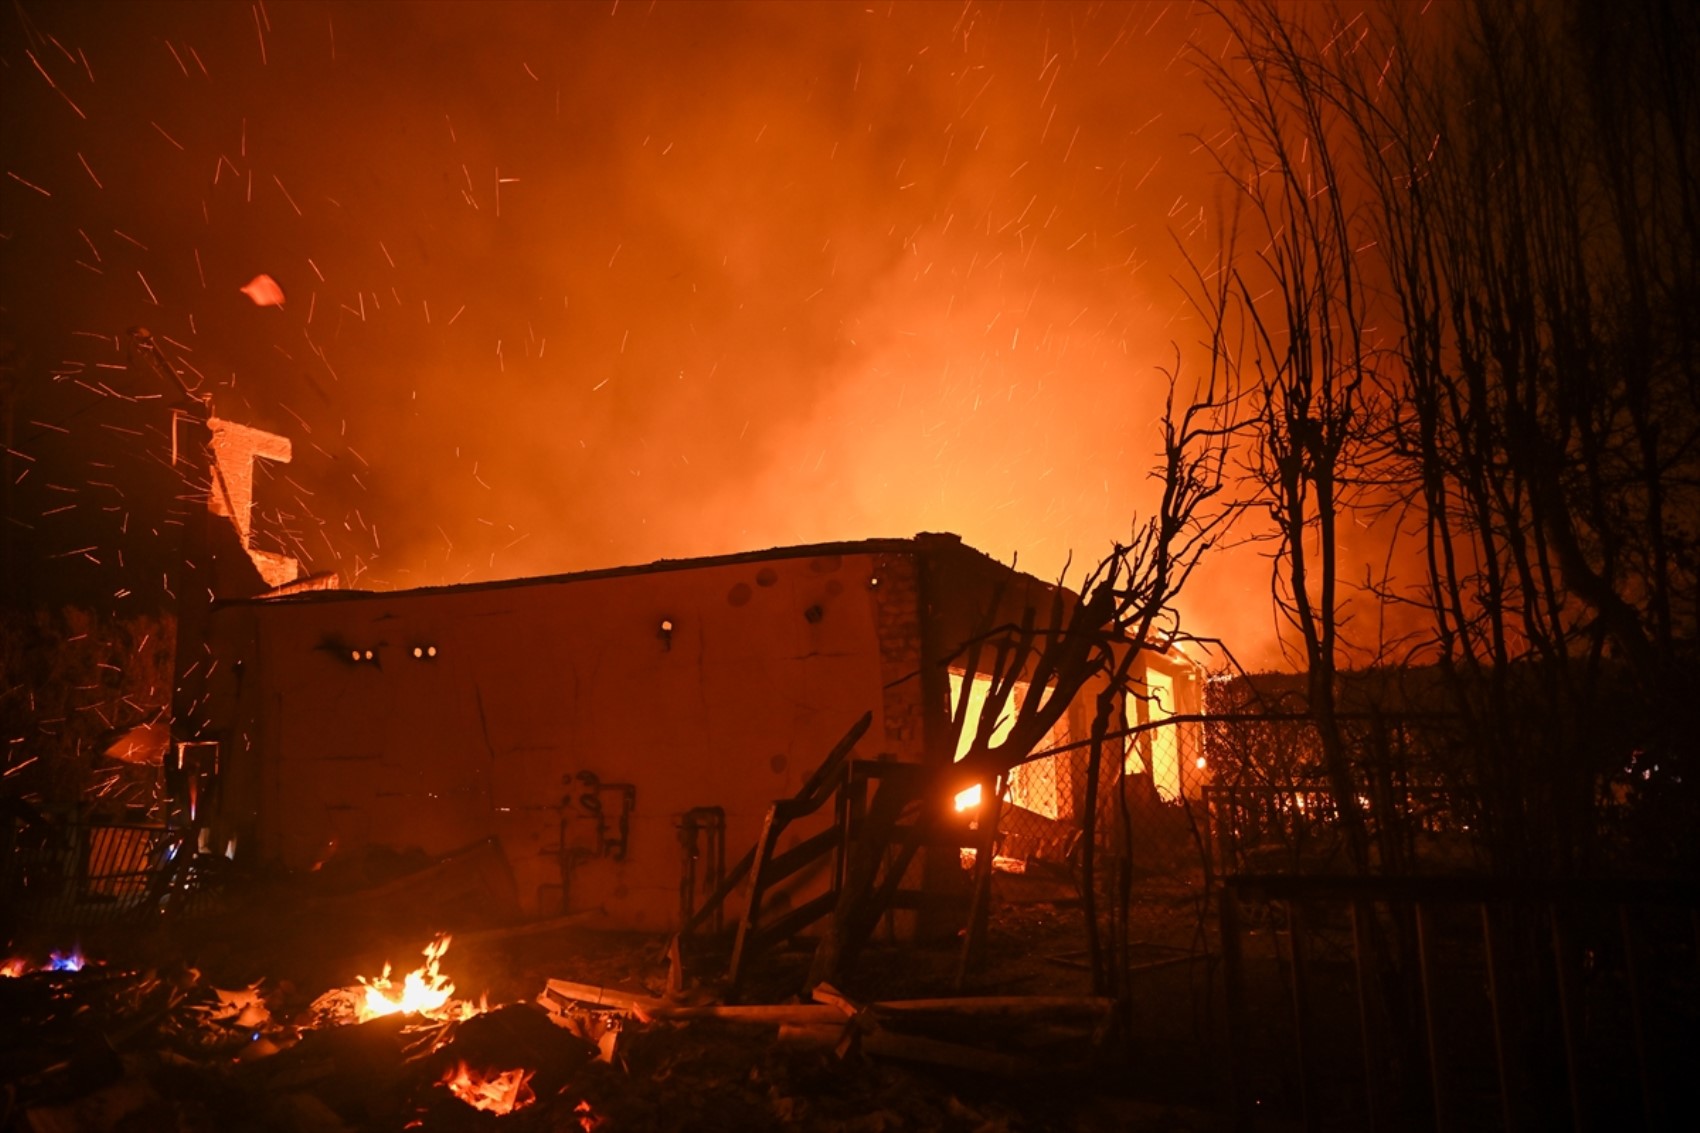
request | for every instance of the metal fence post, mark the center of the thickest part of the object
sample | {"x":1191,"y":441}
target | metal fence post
{"x":1566,"y":1015}
{"x":1233,"y":979}
{"x":1424,"y":969}
{"x":1490,"y":955}
{"x":1363,"y":956}
{"x":1637,"y":1014}
{"x":1301,"y":998}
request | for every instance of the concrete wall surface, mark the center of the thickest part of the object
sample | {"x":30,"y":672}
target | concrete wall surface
{"x":435,"y":718}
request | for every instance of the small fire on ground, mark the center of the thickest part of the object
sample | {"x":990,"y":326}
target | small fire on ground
{"x":423,"y":991}
{"x":71,"y":961}
{"x":428,"y":991}
{"x":970,"y":855}
{"x":496,"y":1092}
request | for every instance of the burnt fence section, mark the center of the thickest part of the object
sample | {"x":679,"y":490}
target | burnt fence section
{"x":1296,"y":826}
{"x":1246,"y":793}
{"x":1453,"y":1003}
{"x":73,"y":874}
{"x":1272,"y":810}
{"x":1149,"y":808}
{"x":1435,"y":992}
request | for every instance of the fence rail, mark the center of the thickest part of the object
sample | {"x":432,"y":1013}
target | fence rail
{"x":1252,"y":820}
{"x":76,"y":874}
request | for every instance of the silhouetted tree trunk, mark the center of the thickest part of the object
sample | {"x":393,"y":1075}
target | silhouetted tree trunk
{"x":1508,"y":193}
{"x":1296,"y":310}
{"x":1125,"y":603}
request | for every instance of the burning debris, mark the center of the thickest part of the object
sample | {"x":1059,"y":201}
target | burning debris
{"x":68,"y":961}
{"x":423,"y":991}
{"x":497,"y":1092}
{"x":103,"y":1039}
{"x":423,"y":999}
{"x":426,"y":991}
{"x":105,"y":1044}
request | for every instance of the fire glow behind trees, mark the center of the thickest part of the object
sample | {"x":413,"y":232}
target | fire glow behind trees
{"x":579,"y":285}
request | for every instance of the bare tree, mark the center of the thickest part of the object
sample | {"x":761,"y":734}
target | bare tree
{"x":1052,"y":656}
{"x":1509,"y":190}
{"x":1297,"y":311}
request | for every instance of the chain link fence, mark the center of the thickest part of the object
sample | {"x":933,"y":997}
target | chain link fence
{"x":1149,"y":805}
{"x":1239,"y":792}
{"x":73,"y":874}
{"x":1273,"y":808}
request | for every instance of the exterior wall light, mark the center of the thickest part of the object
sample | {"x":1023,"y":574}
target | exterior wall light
{"x":665,"y":633}
{"x":424,"y":652}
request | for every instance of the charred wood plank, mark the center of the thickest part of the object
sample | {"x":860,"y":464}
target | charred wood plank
{"x":801,"y":855}
{"x":770,"y":830}
{"x":794,"y":921}
{"x":814,"y":792}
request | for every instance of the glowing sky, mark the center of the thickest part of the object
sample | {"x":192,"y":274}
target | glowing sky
{"x":578,"y":285}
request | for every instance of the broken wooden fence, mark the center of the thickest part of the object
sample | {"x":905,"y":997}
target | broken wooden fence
{"x":872,"y":845}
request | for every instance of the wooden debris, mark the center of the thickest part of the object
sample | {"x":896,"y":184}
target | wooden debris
{"x":760,"y":1014}
{"x":836,"y":1020}
{"x":882,"y":1043}
{"x":529,"y":928}
{"x":109,"y":1107}
{"x":1015,"y":1006}
{"x":813,"y":1035}
{"x":564,"y":992}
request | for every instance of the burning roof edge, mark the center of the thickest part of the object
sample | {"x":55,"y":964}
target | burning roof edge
{"x":919,"y":542}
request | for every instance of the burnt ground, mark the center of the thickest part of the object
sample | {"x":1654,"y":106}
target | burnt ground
{"x":135,"y":1041}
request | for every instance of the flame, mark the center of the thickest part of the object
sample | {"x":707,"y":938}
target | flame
{"x":968,"y":799}
{"x":493,"y":1091}
{"x":968,"y":856}
{"x":425,"y":990}
{"x":71,"y":961}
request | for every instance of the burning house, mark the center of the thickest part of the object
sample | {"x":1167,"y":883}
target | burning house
{"x":613,"y":731}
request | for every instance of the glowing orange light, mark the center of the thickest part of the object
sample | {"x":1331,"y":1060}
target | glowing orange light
{"x":969,"y":799}
{"x":969,"y":856}
{"x":425,"y":990}
{"x":492,"y":1091}
{"x":264,"y":291}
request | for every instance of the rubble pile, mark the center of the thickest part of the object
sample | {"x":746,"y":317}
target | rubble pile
{"x":109,"y":1048}
{"x":293,"y":1019}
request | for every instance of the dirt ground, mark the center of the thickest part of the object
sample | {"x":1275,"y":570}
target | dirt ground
{"x":151,"y":1071}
